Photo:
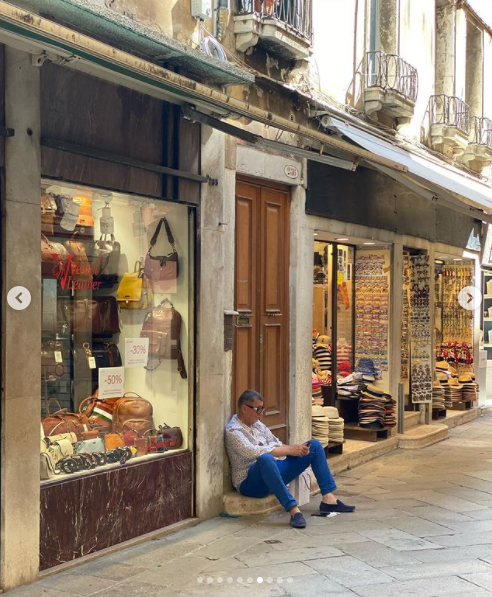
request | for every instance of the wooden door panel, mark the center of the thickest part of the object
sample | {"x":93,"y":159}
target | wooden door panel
{"x":273,"y":256}
{"x":246,"y":357}
{"x":262,"y":262}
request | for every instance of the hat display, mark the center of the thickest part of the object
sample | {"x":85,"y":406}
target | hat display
{"x":437,"y":397}
{"x":330,"y":412}
{"x":336,"y":430}
{"x":322,"y":354}
{"x":367,"y":368}
{"x":377,"y":409}
{"x":442,"y":366}
{"x":319,"y":425}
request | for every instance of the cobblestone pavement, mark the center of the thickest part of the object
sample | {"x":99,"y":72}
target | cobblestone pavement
{"x":423,"y":526}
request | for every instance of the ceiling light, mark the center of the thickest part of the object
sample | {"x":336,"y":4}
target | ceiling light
{"x":340,"y":239}
{"x":315,"y":234}
{"x":440,"y":261}
{"x":458,"y":259}
{"x":368,"y":243}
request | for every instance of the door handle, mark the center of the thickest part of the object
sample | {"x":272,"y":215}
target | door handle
{"x":274,"y":314}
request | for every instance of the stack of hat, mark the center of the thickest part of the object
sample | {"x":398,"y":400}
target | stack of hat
{"x":372,"y":408}
{"x":470,"y":388}
{"x":368,"y":369}
{"x":443,"y":379}
{"x":344,"y":350}
{"x":456,"y":390}
{"x":390,"y":418}
{"x":317,"y":396}
{"x":322,"y":352}
{"x":350,"y":386}
{"x":336,"y":424}
{"x":320,"y":425}
{"x":438,"y":396}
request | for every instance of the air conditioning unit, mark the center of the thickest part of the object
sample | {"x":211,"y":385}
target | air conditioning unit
{"x":201,"y":9}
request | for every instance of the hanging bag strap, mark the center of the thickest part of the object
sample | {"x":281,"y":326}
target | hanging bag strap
{"x":155,"y":236}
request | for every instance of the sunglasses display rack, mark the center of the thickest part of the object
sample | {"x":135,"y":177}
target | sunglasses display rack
{"x":372,"y":308}
{"x":420,"y":330}
{"x":405,"y":319}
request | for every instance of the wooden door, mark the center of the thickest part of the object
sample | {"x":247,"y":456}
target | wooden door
{"x":262,"y":298}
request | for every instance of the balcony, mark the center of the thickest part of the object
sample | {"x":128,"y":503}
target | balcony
{"x":478,"y":154}
{"x":449,"y":125}
{"x":283,"y":27}
{"x":390,"y":86}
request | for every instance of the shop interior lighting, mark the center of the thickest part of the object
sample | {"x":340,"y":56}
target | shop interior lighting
{"x":340,"y":239}
{"x":368,"y":243}
{"x":457,"y":259}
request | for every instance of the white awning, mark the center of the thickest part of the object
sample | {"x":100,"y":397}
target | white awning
{"x":451,"y":180}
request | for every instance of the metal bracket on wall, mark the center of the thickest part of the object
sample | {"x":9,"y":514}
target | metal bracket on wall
{"x":6,"y":132}
{"x":119,"y":159}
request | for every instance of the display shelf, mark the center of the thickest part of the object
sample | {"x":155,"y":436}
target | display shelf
{"x":334,"y":448}
{"x":462,"y":405}
{"x":438,"y":413}
{"x":353,"y":431}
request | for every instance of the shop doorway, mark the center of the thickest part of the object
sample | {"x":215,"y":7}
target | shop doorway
{"x":261,"y":348}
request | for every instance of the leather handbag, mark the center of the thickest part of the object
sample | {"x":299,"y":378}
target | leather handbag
{"x":51,"y":255}
{"x":172,"y":436}
{"x":86,"y":219}
{"x":80,"y":264}
{"x":48,"y":211}
{"x":51,"y":354}
{"x":162,"y":271}
{"x":71,"y":437}
{"x":130,"y":437}
{"x":142,"y":446}
{"x":90,"y":446}
{"x":98,"y":411}
{"x":63,"y":421}
{"x":162,"y":326}
{"x":132,"y":413}
{"x":99,"y":315}
{"x":104,"y":257}
{"x":113,"y":440}
{"x":60,"y":449}
{"x":47,"y":466}
{"x":133,"y":291}
{"x":105,"y":354}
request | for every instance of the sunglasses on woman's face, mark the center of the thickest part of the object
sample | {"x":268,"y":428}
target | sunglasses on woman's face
{"x":257,"y":409}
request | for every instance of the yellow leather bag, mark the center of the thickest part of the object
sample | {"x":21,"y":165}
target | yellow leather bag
{"x":133,"y":291}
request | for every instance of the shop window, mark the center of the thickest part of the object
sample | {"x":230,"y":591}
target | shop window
{"x":116,"y":321}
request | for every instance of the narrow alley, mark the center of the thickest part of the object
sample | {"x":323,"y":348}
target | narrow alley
{"x":423,"y":526}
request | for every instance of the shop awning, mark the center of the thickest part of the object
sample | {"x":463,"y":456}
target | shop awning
{"x":122,"y":31}
{"x":422,"y":173}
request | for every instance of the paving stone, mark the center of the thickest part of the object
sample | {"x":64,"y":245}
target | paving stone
{"x":419,"y":527}
{"x":349,"y":572}
{"x":107,"y":568}
{"x":161,"y":553}
{"x":463,"y":539}
{"x":283,"y":570}
{"x":441,"y":569}
{"x":449,"y":502}
{"x":223,"y":564}
{"x":183,"y":570}
{"x":290,"y":555}
{"x":131,"y":588}
{"x":481,"y":514}
{"x":440,"y":515}
{"x":75,"y":583}
{"x":225,"y":546}
{"x":225,"y":589}
{"x":453,"y":554}
{"x":378,"y":555}
{"x":316,"y":585}
{"x":325,"y":539}
{"x":421,"y":588}
{"x":399,"y":540}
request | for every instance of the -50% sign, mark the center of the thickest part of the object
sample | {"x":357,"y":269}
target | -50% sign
{"x":111,"y":382}
{"x":136,"y":352}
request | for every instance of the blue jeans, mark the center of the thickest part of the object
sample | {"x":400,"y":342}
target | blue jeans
{"x":269,"y":475}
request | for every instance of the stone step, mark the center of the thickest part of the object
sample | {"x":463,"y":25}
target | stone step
{"x":411,"y":419}
{"x":422,"y":436}
{"x":454,"y":418}
{"x":354,"y":454}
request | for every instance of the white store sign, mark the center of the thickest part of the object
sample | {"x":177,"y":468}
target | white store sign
{"x":111,"y":382}
{"x":136,"y":352}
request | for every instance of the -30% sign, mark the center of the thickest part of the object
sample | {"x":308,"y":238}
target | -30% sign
{"x":111,"y":382}
{"x":136,"y":352}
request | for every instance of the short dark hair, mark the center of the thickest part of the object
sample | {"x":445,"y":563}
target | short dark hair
{"x":248,"y":397}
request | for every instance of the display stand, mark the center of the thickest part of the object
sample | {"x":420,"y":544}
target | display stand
{"x":353,"y":431}
{"x":462,"y":405}
{"x":334,"y":448}
{"x":438,"y":413}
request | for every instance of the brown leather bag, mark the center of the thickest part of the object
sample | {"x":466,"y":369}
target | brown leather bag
{"x":51,"y":255}
{"x":99,"y":315}
{"x":132,"y":413}
{"x":63,"y":421}
{"x":162,"y":326}
{"x":80,"y":265}
{"x":113,"y":440}
{"x":99,"y":411}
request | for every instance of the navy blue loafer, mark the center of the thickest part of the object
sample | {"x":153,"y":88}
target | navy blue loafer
{"x":297,"y":521}
{"x":338,"y":507}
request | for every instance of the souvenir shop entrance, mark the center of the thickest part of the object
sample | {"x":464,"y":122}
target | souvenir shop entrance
{"x":350,"y":367}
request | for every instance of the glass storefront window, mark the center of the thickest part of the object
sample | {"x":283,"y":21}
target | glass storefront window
{"x":116,"y":323}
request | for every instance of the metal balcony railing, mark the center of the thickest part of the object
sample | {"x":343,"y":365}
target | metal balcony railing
{"x":295,"y":14}
{"x":451,"y":111}
{"x":482,"y":131}
{"x":389,"y":71}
